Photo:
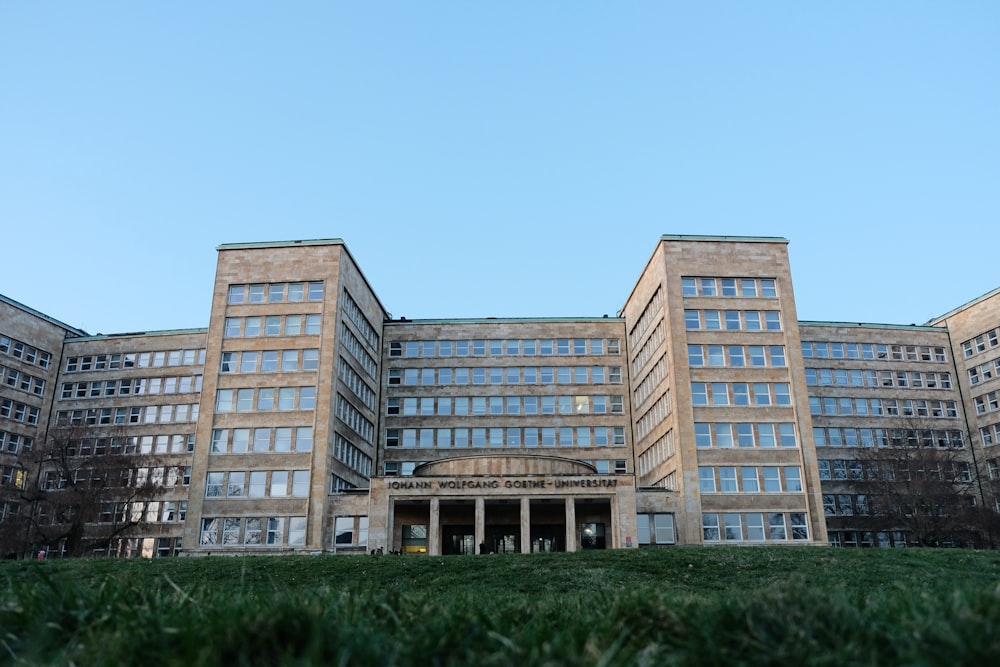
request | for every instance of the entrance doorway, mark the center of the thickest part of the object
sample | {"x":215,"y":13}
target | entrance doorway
{"x":458,"y":540}
{"x":547,"y":538}
{"x":503,"y":539}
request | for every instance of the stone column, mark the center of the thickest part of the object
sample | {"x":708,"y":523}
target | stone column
{"x":390,"y":522}
{"x":434,"y":529}
{"x":526,"y":525}
{"x":570,"y":523}
{"x":480,"y":523}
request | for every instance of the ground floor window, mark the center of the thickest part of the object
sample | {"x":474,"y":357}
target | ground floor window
{"x":655,"y":529}
{"x":350,"y":531}
{"x":592,"y":536}
{"x":415,"y":538}
{"x":754,"y":527}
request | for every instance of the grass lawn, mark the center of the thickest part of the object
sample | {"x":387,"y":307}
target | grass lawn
{"x":679,"y":606}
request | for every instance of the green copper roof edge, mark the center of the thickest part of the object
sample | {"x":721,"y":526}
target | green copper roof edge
{"x":493,"y":320}
{"x":738,"y":239}
{"x":968,"y":304}
{"x":872,"y":325}
{"x":279,"y":244}
{"x":127,"y":334}
{"x":70,"y":329}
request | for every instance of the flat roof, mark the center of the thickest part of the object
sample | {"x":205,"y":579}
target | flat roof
{"x":736,"y":239}
{"x":43,"y":316}
{"x":279,"y":244}
{"x":311,"y":242}
{"x":127,"y":334}
{"x":970,"y":304}
{"x":505,"y":320}
{"x":872,"y":325}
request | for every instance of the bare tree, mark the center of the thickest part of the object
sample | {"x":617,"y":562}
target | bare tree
{"x":922,"y":482}
{"x":84,"y":490}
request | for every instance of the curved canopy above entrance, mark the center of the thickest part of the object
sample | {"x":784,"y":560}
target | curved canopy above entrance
{"x":504,"y":465}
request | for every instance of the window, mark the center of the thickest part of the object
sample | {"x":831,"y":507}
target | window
{"x":755,"y":527}
{"x":655,"y":529}
{"x":213,"y":484}
{"x":258,"y":484}
{"x":727,"y":479}
{"x":275,"y":531}
{"x":303,"y":439}
{"x":744,"y":434}
{"x":710,"y":527}
{"x":702,"y":435}
{"x":706,"y":479}
{"x":733,"y":528}
{"x":234,"y":488}
{"x":793,"y":479}
{"x":772,"y":479}
{"x":724,"y":435}
{"x":776,"y":526}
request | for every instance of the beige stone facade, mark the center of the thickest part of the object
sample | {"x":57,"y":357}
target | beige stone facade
{"x":507,"y":435}
{"x":719,"y":401}
{"x":136,"y":394}
{"x":873,"y":387}
{"x":304,"y":418}
{"x":289,"y":397}
{"x":31,"y":346}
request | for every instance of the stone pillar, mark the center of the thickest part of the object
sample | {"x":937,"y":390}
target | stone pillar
{"x":570,"y":523}
{"x":480,"y":523}
{"x":434,"y":529}
{"x":526,"y":525}
{"x":390,"y":522}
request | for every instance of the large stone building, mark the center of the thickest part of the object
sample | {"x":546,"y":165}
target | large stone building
{"x":305,"y":418}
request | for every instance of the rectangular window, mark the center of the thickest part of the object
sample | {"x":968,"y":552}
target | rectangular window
{"x":744,"y":434}
{"x":724,"y":435}
{"x":793,"y":479}
{"x":727,"y":479}
{"x":734,"y":531}
{"x":772,"y":479}
{"x":755,"y":527}
{"x":286,"y":398}
{"x":706,"y":479}
{"x":303,"y":439}
{"x":702,"y":435}
{"x":213,"y":484}
{"x":710,"y":527}
{"x":776,"y":526}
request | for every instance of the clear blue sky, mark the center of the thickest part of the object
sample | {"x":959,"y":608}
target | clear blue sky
{"x":497,"y":159}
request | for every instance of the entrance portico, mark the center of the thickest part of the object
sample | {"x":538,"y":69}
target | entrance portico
{"x":502,"y":504}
